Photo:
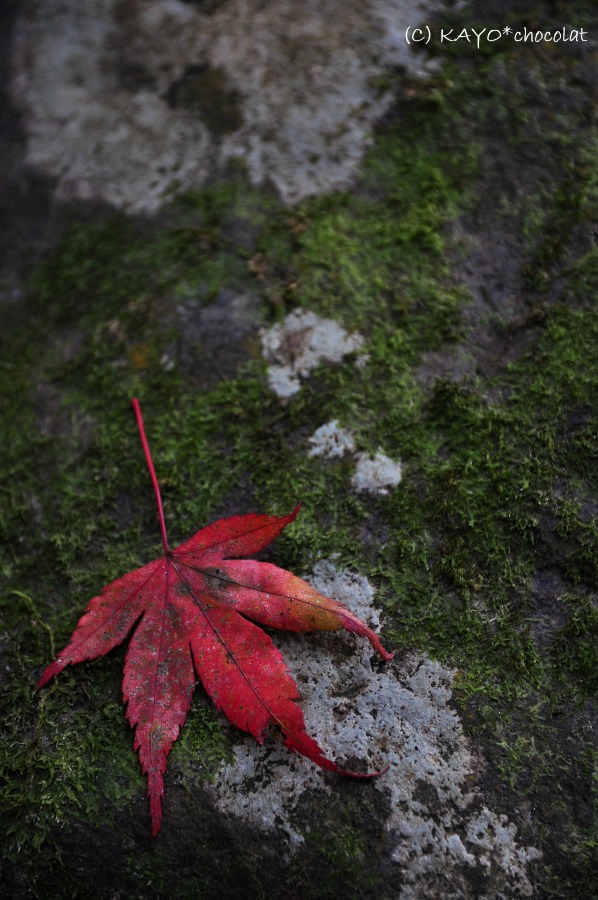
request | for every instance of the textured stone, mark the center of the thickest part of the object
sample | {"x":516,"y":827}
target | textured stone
{"x":401,"y":715}
{"x":134,"y":101}
{"x":376,"y":474}
{"x":295,"y":347}
{"x":331,"y":441}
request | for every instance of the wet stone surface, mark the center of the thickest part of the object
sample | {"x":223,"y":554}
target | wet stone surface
{"x":201,"y":335}
{"x":401,"y":716}
{"x":292,"y":328}
{"x":131,"y":102}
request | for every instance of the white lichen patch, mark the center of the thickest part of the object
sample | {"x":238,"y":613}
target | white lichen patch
{"x":439,"y":826}
{"x":100,"y":84}
{"x":331,"y":441}
{"x":373,"y":474}
{"x":296,"y":346}
{"x":376,"y":474}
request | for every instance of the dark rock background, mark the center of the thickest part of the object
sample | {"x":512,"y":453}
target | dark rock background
{"x":461,"y":249}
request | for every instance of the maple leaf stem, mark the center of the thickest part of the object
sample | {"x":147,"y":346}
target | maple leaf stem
{"x":152,"y":471}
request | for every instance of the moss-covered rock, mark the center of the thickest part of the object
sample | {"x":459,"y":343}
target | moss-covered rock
{"x":462,"y":258}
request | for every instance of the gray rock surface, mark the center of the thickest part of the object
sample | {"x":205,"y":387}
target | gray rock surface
{"x":296,"y":346}
{"x":134,"y":101}
{"x":127,"y":104}
{"x":401,"y":716}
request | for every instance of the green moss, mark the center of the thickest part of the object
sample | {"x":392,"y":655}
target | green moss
{"x":575,"y":646}
{"x":77,"y":756}
{"x":345,"y":832}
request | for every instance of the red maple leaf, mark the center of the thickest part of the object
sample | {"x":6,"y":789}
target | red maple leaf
{"x":188,"y":608}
